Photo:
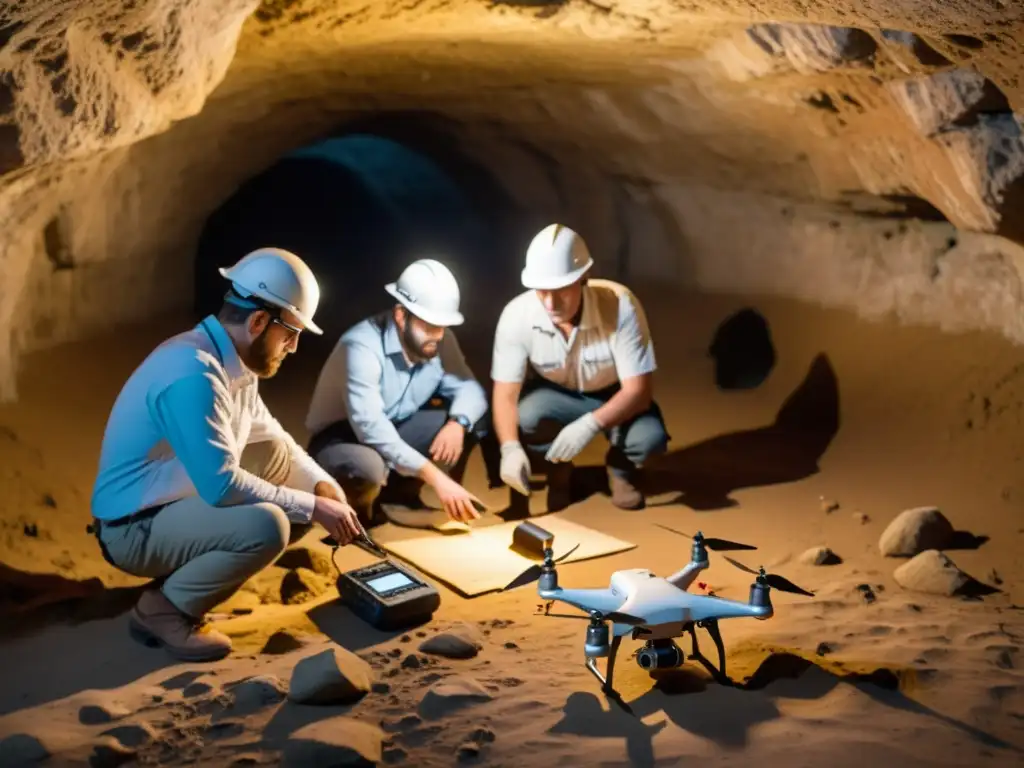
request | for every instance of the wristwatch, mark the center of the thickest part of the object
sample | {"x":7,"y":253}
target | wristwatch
{"x":463,"y":422}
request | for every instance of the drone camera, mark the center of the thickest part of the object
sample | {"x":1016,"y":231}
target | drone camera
{"x":660,"y":654}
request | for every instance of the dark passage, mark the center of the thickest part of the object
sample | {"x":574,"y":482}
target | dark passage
{"x":360,"y":207}
{"x":743,"y":351}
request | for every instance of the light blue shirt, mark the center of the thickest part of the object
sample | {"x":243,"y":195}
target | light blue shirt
{"x":368,"y":381}
{"x":178,"y":427}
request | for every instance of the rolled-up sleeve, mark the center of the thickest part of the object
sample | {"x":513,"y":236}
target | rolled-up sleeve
{"x":632,"y":347}
{"x":305,"y":473}
{"x":458,"y":383}
{"x":510,"y":356}
{"x":194,"y":413}
{"x":366,"y":413}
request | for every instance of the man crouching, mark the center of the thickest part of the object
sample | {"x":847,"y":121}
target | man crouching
{"x":176,"y":499}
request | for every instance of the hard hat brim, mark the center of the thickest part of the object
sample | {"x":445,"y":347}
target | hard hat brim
{"x":555,"y":282}
{"x":434,"y":317}
{"x":307,"y":323}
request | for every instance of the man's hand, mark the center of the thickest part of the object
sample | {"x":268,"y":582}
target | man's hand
{"x":338,"y":519}
{"x":329,"y":491}
{"x":448,"y":444}
{"x":573,"y":438}
{"x":456,"y":500}
{"x":515,"y":467}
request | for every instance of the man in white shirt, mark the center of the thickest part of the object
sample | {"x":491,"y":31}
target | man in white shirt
{"x":175,"y":499}
{"x":587,"y":344}
{"x":371,"y":420}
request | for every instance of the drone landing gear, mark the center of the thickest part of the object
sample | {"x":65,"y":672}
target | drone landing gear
{"x":711,"y":625}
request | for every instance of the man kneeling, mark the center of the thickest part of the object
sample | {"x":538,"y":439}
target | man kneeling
{"x":176,"y":499}
{"x":370,"y":418}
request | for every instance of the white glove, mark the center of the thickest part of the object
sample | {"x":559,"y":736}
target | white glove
{"x":573,"y":438}
{"x":515,"y":467}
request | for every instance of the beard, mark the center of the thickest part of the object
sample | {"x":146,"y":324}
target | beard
{"x":417,"y":347}
{"x":260,"y":360}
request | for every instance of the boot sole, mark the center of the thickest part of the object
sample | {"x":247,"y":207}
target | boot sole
{"x":142,"y":635}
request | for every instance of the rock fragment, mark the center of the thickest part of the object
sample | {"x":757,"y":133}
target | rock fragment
{"x":915,"y":530}
{"x":337,"y":741}
{"x":933,"y":573}
{"x":333,"y":676}
{"x":820,"y":556}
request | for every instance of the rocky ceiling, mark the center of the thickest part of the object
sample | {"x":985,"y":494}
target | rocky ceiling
{"x":859,"y":153}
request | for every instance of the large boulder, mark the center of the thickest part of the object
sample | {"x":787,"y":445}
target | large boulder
{"x":933,"y":573}
{"x":915,"y":530}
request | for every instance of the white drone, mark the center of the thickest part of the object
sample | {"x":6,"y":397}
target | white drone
{"x":654,"y":608}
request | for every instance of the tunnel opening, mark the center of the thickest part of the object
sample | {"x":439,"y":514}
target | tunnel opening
{"x":360,"y":205}
{"x":743,"y":351}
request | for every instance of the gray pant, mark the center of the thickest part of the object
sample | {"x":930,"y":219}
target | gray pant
{"x":206,"y":553}
{"x":544,"y":409}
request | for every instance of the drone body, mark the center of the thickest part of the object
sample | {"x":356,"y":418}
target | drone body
{"x":658,"y":609}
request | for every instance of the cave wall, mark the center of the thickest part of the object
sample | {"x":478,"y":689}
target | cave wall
{"x":726,"y":146}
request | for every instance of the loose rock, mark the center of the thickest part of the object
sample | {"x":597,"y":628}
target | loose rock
{"x":282,"y":641}
{"x":337,"y":741}
{"x":459,"y":643}
{"x":820,"y":556}
{"x":828,"y":505}
{"x":333,"y":676}
{"x":915,"y":530}
{"x":861,"y":518}
{"x":451,"y":694}
{"x":931,"y":572}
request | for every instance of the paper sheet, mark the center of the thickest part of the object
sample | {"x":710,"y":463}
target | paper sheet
{"x":480,"y":561}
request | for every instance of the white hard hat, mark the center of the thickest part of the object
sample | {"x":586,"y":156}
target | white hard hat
{"x":427,"y":288}
{"x":280,"y":278}
{"x":557,"y":257}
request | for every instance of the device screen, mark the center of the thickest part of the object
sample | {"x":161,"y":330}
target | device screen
{"x":389,"y":582}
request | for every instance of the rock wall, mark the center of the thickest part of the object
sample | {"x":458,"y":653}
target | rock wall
{"x":843,"y":152}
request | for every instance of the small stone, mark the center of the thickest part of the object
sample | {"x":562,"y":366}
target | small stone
{"x":452,"y":693}
{"x":511,"y":646}
{"x":455,"y":644}
{"x":861,"y":518}
{"x":412,"y":661}
{"x":405,"y":639}
{"x":468,"y":751}
{"x":820,"y":556}
{"x":933,"y":573}
{"x":394,"y":653}
{"x":333,"y":676}
{"x":915,"y":530}
{"x":994,"y":577}
{"x":482,"y":736}
{"x":280,"y":642}
{"x":828,"y":505}
{"x":823,"y":649}
{"x":336,"y":741}
{"x":866,"y":592}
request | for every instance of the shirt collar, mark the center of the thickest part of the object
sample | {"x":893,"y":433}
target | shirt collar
{"x":229,"y":358}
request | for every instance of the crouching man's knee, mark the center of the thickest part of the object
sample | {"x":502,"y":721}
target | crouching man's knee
{"x":269,"y":529}
{"x":646,"y":439}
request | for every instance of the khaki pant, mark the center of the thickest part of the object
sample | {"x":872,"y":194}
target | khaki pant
{"x":206,"y":553}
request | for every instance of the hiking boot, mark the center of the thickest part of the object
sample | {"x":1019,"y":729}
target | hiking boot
{"x":559,"y":486}
{"x":625,"y":494}
{"x":155,"y":621}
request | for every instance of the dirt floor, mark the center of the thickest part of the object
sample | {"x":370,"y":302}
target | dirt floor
{"x":857,"y":422}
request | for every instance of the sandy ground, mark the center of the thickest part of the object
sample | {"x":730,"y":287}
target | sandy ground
{"x":907,"y":678}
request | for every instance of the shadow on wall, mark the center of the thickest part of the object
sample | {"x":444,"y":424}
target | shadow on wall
{"x":743,"y":351}
{"x":358,"y":208}
{"x":705,"y":474}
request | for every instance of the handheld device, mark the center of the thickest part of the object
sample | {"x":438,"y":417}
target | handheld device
{"x":388,"y":595}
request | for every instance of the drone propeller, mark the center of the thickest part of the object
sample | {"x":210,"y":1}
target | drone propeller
{"x":716,"y":545}
{"x":613,"y":616}
{"x":533,"y":573}
{"x":771,"y":579}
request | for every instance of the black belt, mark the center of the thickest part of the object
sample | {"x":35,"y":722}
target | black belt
{"x":134,"y":517}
